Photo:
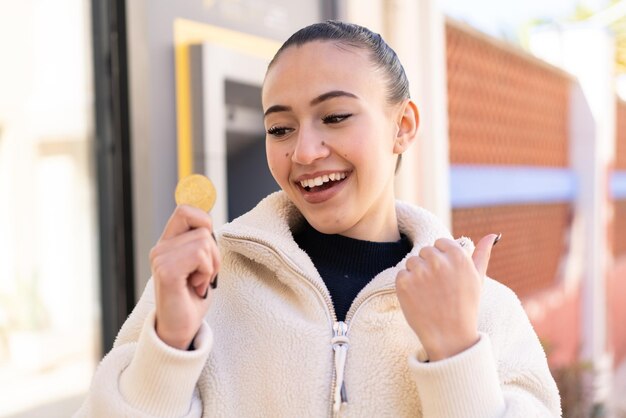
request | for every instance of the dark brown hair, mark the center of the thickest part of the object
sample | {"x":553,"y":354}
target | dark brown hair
{"x":356,"y":36}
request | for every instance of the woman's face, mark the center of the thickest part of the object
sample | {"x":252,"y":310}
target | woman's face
{"x":332,"y":139}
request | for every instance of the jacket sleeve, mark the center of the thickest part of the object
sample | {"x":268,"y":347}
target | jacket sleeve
{"x":144,"y":377}
{"x":504,"y":375}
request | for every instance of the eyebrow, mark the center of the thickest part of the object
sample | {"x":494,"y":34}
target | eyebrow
{"x":275,"y":109}
{"x":319,"y":99}
{"x":331,"y":95}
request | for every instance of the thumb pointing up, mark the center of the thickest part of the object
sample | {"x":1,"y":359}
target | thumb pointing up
{"x":482,"y":253}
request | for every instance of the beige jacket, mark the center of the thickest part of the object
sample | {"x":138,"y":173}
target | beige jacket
{"x":271,"y":346}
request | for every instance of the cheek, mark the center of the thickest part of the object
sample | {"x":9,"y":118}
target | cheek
{"x":269,"y":157}
{"x":277,"y":162}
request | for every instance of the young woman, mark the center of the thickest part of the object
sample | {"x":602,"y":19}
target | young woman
{"x":333,"y":297}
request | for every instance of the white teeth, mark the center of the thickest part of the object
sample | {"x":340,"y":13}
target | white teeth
{"x":318,"y":181}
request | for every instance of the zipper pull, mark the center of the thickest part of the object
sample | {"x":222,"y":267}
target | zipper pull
{"x":340,"y":343}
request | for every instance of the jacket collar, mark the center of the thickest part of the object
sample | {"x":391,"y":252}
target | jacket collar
{"x":271,"y":223}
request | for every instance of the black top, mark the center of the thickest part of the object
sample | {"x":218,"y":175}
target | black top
{"x":348,"y":264}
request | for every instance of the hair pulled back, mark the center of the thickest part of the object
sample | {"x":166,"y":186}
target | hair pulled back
{"x":356,"y":36}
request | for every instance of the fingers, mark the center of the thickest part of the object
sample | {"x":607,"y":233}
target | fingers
{"x":404,"y":281}
{"x":430,"y":253}
{"x":429,"y":258}
{"x":446,"y":252}
{"x":445,"y":249}
{"x":482,"y":253}
{"x":184,"y":219}
{"x":413,"y":263}
{"x":195,"y":262}
{"x":203,"y":289}
{"x":439,"y":294}
{"x":188,"y":258}
{"x":434,"y":257}
{"x":199,"y":234}
{"x":440,"y":247}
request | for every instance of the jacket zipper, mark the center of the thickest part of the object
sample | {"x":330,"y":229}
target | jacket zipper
{"x":340,"y":344}
{"x":340,"y":341}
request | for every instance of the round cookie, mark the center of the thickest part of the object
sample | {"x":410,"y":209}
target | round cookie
{"x":195,"y":190}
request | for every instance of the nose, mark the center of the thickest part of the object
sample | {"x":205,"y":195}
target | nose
{"x":309,"y":147}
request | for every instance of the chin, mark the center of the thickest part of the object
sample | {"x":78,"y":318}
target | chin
{"x":327,"y":226}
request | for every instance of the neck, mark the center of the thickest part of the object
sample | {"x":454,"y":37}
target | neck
{"x":381,"y":227}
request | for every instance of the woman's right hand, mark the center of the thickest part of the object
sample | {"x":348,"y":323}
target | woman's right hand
{"x":184,"y":262}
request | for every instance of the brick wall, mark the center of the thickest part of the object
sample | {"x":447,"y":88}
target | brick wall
{"x":503,"y":107}
{"x":508,"y":108}
{"x":616,"y":280}
{"x":533,"y":241}
{"x":619,"y":214}
{"x":619,"y":228}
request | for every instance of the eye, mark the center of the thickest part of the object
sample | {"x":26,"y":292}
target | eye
{"x":279,"y":131}
{"x":336,"y":118}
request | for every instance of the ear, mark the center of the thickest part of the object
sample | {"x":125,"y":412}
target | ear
{"x":408,"y":122}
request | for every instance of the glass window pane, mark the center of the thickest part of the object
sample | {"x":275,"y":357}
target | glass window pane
{"x":49,"y":309}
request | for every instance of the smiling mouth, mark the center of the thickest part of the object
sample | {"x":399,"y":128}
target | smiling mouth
{"x":322,"y":182}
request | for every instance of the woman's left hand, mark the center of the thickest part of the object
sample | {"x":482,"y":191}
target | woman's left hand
{"x":439,"y":293}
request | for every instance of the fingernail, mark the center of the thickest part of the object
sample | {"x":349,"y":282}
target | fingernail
{"x":206,"y":294}
{"x":495,"y":241}
{"x":214,"y":283}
